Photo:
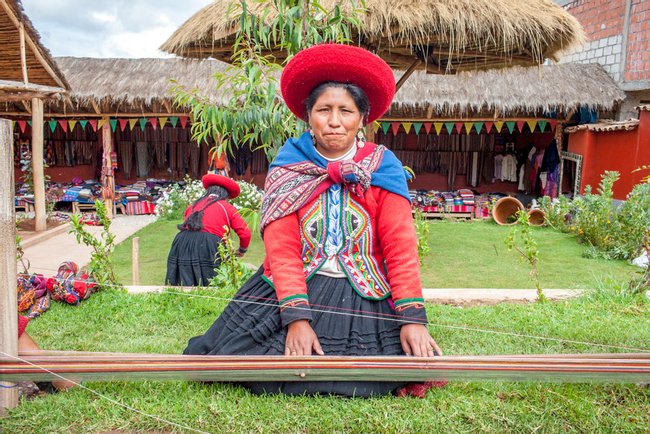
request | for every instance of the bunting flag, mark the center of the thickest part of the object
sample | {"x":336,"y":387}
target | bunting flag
{"x":488,"y":127}
{"x":83,"y":124}
{"x":132,"y":122}
{"x":173,"y":120}
{"x":375,"y":126}
{"x":542,"y":125}
{"x":93,"y":124}
{"x":183,"y":120}
{"x":72,"y":124}
{"x":163,"y":121}
{"x":113,"y":123}
{"x":417,"y":126}
{"x":520,"y":126}
{"x":22,"y":125}
{"x":553,"y":124}
{"x":478,"y":126}
{"x":449,"y":126}
{"x":64,"y":125}
{"x":407,"y":126}
{"x":29,"y":122}
{"x":499,"y":126}
{"x":395,"y":127}
{"x":459,"y":127}
{"x":123,"y":124}
{"x":143,"y":122}
{"x":154,"y":122}
{"x":531,"y":125}
{"x":52,"y":124}
{"x":385,"y":126}
{"x":511,"y":126}
{"x":427,"y":127}
{"x":468,"y":127}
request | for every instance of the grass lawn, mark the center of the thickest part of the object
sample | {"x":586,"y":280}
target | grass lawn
{"x":463,"y":255}
{"x":113,"y":320}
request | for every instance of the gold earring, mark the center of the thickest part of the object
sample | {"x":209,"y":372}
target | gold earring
{"x":361,"y":138}
{"x":313,"y":137}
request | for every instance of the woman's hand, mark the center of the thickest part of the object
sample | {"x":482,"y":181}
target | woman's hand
{"x":416,"y":341}
{"x":301,"y":340}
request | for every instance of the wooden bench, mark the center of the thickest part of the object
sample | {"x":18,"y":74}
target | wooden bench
{"x":78,"y":207}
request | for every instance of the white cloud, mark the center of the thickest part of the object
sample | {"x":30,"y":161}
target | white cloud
{"x":108,"y":28}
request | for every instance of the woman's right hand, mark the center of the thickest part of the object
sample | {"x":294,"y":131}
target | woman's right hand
{"x":301,"y":340}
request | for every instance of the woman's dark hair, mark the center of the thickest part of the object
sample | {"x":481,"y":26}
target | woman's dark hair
{"x":194,"y":221}
{"x":358,"y":95}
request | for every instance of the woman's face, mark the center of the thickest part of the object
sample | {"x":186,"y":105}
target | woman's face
{"x":335,"y":120}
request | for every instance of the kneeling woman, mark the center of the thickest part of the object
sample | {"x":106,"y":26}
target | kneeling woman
{"x":194,"y":253}
{"x":341,"y":264}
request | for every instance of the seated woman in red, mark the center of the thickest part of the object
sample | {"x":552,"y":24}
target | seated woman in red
{"x":194,"y":254}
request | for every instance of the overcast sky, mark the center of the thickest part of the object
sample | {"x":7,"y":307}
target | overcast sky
{"x":108,"y":28}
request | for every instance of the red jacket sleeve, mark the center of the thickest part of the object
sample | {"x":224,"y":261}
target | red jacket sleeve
{"x":238,"y":225}
{"x":398,"y":241}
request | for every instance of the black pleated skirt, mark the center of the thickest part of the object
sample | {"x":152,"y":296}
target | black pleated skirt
{"x":192,"y":259}
{"x":250,"y":325}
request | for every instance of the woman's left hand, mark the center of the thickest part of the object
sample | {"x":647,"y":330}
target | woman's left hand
{"x":416,"y":341}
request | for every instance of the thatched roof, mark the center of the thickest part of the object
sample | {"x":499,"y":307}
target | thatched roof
{"x":447,"y":35}
{"x":136,"y":86}
{"x":41,"y":68}
{"x":561,"y":87}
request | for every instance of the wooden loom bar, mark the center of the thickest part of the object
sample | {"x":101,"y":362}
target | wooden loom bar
{"x":623,"y":368}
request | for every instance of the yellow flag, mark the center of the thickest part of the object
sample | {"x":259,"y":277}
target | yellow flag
{"x":162,"y":122}
{"x":132,"y":122}
{"x":498,"y":126}
{"x":438,"y":127}
{"x":101,"y":123}
{"x":532,"y":124}
{"x":375,"y":126}
{"x":407,"y":126}
{"x":71,"y":124}
{"x":468,"y":127}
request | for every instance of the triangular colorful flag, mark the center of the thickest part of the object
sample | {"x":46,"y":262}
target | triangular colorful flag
{"x":499,"y":126}
{"x":72,"y":124}
{"x":52,"y":125}
{"x":143,"y":122}
{"x":29,"y":123}
{"x":531,"y":125}
{"x":183,"y":120}
{"x":93,"y":124}
{"x":542,"y":125}
{"x":407,"y":126}
{"x":520,"y":126}
{"x":132,"y":122}
{"x":375,"y":126}
{"x":83,"y":124}
{"x":64,"y":124}
{"x":449,"y":126}
{"x":113,"y":123}
{"x":488,"y":127}
{"x":163,"y":121}
{"x":427,"y":127}
{"x":553,"y":124}
{"x":511,"y":126}
{"x":22,"y":125}
{"x":468,"y":127}
{"x":478,"y":126}
{"x":173,"y":120}
{"x":101,"y":123}
{"x":395,"y":127}
{"x":417,"y":126}
{"x":459,"y":127}
{"x":385,"y":126}
{"x":123,"y":124}
{"x":153,"y":122}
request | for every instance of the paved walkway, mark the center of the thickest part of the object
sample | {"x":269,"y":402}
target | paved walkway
{"x":46,"y":251}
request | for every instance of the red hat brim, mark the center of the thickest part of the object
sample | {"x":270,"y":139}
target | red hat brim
{"x":342,"y":63}
{"x":213,"y":179}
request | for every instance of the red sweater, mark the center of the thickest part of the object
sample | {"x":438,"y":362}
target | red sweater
{"x":392,"y":245}
{"x":221,"y":214}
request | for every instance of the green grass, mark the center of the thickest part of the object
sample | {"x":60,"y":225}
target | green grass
{"x":463,"y":255}
{"x":161,"y":323}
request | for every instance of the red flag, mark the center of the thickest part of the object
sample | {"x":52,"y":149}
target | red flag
{"x":123,"y":124}
{"x":520,"y":126}
{"x":153,"y":122}
{"x":395,"y":127}
{"x":553,"y":124}
{"x":22,"y":125}
{"x":459,"y":127}
{"x":64,"y":125}
{"x":427,"y":126}
{"x":488,"y":127}
{"x":93,"y":124}
{"x":183,"y":120}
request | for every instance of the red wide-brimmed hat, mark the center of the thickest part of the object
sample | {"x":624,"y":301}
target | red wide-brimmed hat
{"x":342,"y":63}
{"x":213,"y":179}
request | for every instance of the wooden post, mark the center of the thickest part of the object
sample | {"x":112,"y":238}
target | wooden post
{"x":37,"y":165}
{"x":108,"y":182}
{"x":8,"y":302}
{"x":135,"y":259}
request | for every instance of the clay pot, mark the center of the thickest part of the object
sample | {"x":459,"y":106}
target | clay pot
{"x":536,"y":217}
{"x":505,"y":210}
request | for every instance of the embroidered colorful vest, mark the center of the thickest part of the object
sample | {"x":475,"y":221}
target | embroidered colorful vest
{"x":337,"y":226}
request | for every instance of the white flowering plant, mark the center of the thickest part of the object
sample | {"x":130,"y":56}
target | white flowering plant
{"x":248,"y":203}
{"x":172,"y":203}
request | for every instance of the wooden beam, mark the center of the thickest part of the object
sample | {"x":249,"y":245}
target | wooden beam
{"x":95,"y":107}
{"x":8,"y":301}
{"x":23,"y":57}
{"x":27,"y":107}
{"x":95,"y":115}
{"x":17,"y":97}
{"x":407,"y":74}
{"x":37,"y":165}
{"x":168,"y":106}
{"x":108,"y":182}
{"x":17,"y":86}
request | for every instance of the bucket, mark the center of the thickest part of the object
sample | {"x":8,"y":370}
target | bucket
{"x":505,"y":210}
{"x":536,"y":217}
